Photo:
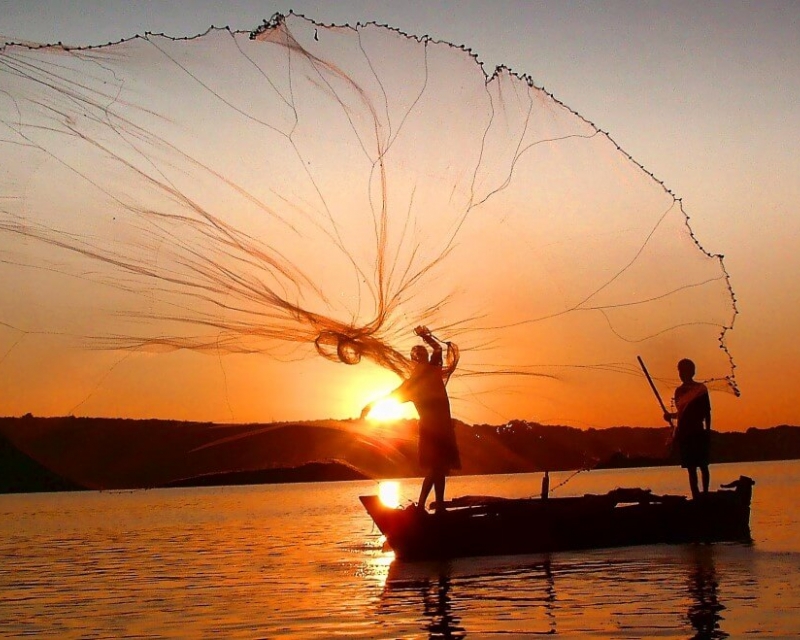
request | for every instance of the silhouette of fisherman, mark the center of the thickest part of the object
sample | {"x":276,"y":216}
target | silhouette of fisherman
{"x":693,"y":433}
{"x":425,"y":387}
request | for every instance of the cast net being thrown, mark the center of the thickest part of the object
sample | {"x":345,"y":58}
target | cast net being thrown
{"x":310,"y":194}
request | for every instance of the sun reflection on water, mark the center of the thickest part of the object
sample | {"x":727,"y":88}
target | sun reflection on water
{"x":377,"y":567}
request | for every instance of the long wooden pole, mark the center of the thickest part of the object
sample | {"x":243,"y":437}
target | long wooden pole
{"x":655,"y":391}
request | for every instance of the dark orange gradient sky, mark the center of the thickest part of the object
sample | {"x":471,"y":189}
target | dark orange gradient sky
{"x":704,"y":97}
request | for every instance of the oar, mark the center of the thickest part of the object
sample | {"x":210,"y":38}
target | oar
{"x":655,"y":391}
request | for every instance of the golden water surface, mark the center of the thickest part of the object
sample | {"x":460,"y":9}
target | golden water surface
{"x":304,"y":561}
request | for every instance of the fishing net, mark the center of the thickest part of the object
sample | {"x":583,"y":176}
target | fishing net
{"x":213,"y":228}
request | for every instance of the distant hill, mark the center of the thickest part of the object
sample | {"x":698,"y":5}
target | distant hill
{"x":51,"y":454}
{"x":19,"y":473}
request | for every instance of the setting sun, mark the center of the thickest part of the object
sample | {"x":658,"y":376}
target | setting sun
{"x":386,"y":410}
{"x":389,"y":493}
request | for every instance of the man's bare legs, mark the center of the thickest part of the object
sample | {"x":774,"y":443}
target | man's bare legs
{"x":427,"y":484}
{"x":434,"y":480}
{"x":706,"y":478}
{"x":693,"y":480}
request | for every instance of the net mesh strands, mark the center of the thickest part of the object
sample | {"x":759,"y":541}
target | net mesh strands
{"x":308,"y":190}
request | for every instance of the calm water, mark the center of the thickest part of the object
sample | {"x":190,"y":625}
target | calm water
{"x":303,"y":561}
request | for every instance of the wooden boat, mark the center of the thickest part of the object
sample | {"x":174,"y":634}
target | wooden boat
{"x":483,"y":525}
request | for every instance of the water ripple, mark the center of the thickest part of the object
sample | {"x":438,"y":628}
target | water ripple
{"x":297,"y":562}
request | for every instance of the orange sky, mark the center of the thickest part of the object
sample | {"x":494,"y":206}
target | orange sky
{"x":729,"y":153}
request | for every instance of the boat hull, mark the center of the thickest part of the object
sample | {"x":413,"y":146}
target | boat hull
{"x":497,"y":526}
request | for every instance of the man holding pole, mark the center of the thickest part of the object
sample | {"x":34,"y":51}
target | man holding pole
{"x":694,"y":425}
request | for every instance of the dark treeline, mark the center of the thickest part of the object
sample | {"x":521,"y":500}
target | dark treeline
{"x":63,"y":454}
{"x":20,"y":473}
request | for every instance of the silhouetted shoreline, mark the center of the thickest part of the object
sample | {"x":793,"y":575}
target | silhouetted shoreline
{"x":68,"y":454}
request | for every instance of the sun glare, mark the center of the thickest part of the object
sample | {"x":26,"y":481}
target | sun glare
{"x":386,"y":410}
{"x":389,"y":493}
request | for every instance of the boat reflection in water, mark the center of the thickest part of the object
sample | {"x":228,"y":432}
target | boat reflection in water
{"x":636,"y":592}
{"x":705,"y":610}
{"x":446,"y":592}
{"x":439,"y":611}
{"x":430,"y":585}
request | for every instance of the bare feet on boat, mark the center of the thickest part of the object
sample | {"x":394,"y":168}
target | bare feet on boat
{"x":438,"y":507}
